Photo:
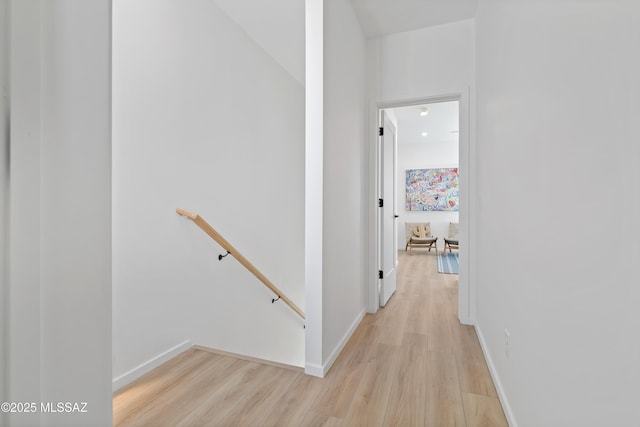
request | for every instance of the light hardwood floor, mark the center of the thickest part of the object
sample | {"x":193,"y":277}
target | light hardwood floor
{"x":411,"y":364}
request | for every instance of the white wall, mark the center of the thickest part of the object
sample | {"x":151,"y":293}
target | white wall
{"x":558,"y":163}
{"x":277,"y":26}
{"x":344,"y":184}
{"x":4,"y":194}
{"x":59,"y":242}
{"x":428,"y":64}
{"x":434,"y":154}
{"x":204,"y":120}
{"x":24,"y":348}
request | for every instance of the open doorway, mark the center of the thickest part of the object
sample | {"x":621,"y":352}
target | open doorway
{"x":428,"y":151}
{"x":432,"y":133}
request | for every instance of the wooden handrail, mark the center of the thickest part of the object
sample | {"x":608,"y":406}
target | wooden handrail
{"x":197,"y":219}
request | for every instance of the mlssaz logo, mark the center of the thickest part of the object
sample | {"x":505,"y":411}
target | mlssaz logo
{"x":66,"y":407}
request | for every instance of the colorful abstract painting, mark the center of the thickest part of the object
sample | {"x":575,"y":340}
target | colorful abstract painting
{"x":432,"y":190}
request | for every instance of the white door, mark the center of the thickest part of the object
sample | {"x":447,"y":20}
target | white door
{"x":388,"y":241}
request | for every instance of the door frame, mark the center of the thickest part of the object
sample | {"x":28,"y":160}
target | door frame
{"x":466,"y":284}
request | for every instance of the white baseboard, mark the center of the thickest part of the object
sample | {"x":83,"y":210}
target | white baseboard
{"x":315,"y":370}
{"x":135,"y":373}
{"x":339,"y":347}
{"x":508,"y":413}
{"x":466,"y":321}
{"x":248,"y":358}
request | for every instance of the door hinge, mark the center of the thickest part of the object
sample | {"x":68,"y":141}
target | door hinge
{"x":380,"y":203}
{"x":381,"y":131}
{"x":380,"y":275}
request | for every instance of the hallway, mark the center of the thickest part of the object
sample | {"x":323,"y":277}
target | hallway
{"x":410,"y":364}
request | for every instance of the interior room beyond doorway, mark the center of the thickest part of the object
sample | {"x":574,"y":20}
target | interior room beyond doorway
{"x":428,"y":138}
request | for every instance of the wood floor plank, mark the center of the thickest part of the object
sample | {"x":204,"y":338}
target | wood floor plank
{"x":474,"y":377}
{"x":335,"y":400}
{"x":235,"y":397}
{"x":391,"y":321}
{"x":410,"y":364}
{"x":444,"y":398}
{"x":472,"y":368}
{"x":345,"y":376}
{"x":377,"y":383}
{"x":438,"y":326}
{"x":173,"y":395}
{"x":156,"y":381}
{"x":417,"y":316}
{"x":483,"y":411}
{"x":408,"y":397}
{"x":270,"y":395}
{"x":297,"y":408}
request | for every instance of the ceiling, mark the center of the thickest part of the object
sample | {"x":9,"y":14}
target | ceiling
{"x":277,"y":26}
{"x":441,"y":124}
{"x":381,"y":17}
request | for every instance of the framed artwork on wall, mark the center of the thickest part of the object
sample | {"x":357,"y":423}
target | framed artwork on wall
{"x":432,"y":190}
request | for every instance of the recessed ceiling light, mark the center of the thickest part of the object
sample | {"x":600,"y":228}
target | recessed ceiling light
{"x":424,"y":112}
{"x":424,"y":134}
